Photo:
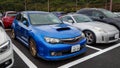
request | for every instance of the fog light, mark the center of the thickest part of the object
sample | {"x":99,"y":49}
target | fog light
{"x":6,"y":63}
{"x":56,"y":53}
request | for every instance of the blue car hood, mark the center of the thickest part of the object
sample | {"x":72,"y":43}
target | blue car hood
{"x":57,"y":31}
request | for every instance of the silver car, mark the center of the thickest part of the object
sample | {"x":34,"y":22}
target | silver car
{"x":95,"y":32}
{"x":6,"y":51}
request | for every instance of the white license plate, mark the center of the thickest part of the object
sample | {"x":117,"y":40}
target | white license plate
{"x":117,"y":36}
{"x":75,"y":48}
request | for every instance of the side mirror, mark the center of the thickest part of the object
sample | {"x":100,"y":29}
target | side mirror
{"x":101,"y":17}
{"x":25,"y":23}
{"x":70,"y":21}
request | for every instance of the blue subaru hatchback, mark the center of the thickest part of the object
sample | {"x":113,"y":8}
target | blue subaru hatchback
{"x":47,"y":37}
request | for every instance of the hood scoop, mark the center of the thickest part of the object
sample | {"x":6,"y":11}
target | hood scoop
{"x":63,"y":28}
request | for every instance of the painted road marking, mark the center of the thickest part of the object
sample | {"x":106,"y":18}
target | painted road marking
{"x":89,"y":57}
{"x":24,"y":58}
{"x":94,"y":48}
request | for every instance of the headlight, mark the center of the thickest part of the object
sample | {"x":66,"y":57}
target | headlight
{"x":99,"y":29}
{"x":4,"y":46}
{"x":52,"y":40}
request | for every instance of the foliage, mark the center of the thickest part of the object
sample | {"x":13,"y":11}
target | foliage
{"x":55,"y":5}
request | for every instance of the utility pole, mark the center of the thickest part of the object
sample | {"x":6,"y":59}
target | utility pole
{"x":111,"y":2}
{"x":106,"y":2}
{"x":48,"y":6}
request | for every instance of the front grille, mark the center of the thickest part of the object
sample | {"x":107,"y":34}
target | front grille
{"x":65,"y":52}
{"x":72,"y":40}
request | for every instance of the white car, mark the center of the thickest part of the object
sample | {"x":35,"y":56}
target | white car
{"x":6,"y":50}
{"x":95,"y":32}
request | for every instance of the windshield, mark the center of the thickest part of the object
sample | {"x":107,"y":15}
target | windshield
{"x":109,"y":14}
{"x":81,"y":18}
{"x":43,"y":18}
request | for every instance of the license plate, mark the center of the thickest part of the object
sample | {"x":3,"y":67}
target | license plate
{"x":117,"y":36}
{"x":75,"y":48}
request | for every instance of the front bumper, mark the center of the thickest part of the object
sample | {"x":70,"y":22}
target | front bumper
{"x":64,"y":49}
{"x":6,"y":59}
{"x":108,"y":37}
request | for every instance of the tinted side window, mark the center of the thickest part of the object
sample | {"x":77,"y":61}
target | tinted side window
{"x":96,"y":14}
{"x":18,"y":17}
{"x":66,"y":18}
{"x":23,"y":17}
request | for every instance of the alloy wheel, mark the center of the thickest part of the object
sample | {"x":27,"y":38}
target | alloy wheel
{"x":90,"y":37}
{"x":33,"y":48}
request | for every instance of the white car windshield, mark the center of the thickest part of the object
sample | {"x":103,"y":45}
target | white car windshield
{"x":81,"y":18}
{"x":43,"y":18}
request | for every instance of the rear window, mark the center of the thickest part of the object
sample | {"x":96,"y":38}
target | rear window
{"x":11,"y":14}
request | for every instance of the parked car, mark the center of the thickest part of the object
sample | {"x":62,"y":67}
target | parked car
{"x":58,"y":14}
{"x":6,"y":51}
{"x":1,"y":23}
{"x":8,"y":18}
{"x":47,"y":37}
{"x":95,"y":32}
{"x":117,"y":13}
{"x":102,"y":15}
{"x":0,"y":15}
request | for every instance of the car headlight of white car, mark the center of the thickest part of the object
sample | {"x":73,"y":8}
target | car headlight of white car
{"x":5,"y":46}
{"x":99,"y":29}
{"x":52,"y":40}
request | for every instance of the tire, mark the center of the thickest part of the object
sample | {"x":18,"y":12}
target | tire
{"x":90,"y":36}
{"x":33,"y":49}
{"x":13,"y":35}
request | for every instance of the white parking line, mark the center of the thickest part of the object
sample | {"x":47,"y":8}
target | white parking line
{"x":89,"y":56}
{"x":24,"y":58}
{"x":94,"y":47}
